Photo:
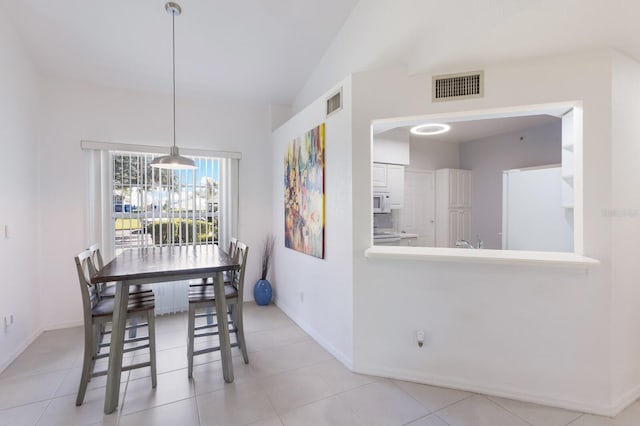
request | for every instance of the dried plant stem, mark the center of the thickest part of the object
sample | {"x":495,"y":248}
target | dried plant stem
{"x":267,"y":254}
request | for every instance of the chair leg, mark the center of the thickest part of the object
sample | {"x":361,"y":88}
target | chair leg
{"x":190,"y":338}
{"x":96,"y":347}
{"x":236,"y":313}
{"x":87,"y":362}
{"x":151,"y":320}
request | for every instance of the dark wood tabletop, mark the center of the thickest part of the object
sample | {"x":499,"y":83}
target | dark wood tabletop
{"x":140,"y":264}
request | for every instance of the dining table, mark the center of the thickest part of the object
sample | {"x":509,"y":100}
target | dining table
{"x":155,"y":265}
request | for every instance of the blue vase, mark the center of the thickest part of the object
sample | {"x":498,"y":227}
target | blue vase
{"x":262,"y":292}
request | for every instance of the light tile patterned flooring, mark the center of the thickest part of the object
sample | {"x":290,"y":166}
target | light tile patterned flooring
{"x":290,"y":380}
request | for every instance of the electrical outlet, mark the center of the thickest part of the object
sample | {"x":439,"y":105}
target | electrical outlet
{"x":8,"y":321}
{"x":420,"y":338}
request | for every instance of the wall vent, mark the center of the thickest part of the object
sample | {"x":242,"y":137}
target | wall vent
{"x":458,"y":86}
{"x":334,"y":102}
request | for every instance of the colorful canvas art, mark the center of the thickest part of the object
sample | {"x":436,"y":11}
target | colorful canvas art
{"x":304,"y":193}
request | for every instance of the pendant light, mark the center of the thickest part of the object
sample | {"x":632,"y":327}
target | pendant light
{"x":174,"y":160}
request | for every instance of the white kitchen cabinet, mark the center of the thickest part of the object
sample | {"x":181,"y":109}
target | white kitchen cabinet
{"x":459,"y":226}
{"x":454,"y":186}
{"x":389,"y":178}
{"x":379,"y":176}
{"x":453,"y":206}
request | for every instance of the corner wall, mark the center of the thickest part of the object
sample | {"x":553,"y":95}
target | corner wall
{"x":622,"y":216}
{"x":317,"y":293}
{"x":525,"y":332}
{"x":19,"y":130}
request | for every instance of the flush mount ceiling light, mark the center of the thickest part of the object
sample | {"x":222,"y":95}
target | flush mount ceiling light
{"x":173,"y":160}
{"x":430,"y":129}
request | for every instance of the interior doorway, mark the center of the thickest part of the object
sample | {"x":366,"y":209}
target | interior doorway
{"x":418,"y":214}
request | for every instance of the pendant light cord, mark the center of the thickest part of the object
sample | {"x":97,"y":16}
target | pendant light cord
{"x":173,"y":32}
{"x":174,"y":160}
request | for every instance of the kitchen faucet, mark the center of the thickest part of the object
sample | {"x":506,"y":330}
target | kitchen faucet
{"x":467,"y":244}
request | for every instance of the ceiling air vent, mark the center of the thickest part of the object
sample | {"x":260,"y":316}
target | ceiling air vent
{"x":458,"y":86}
{"x":334,"y":102}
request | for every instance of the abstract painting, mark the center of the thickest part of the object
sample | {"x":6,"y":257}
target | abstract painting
{"x":304,"y":193}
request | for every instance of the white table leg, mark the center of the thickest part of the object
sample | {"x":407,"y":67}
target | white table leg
{"x":223,"y":327}
{"x":115,"y":350}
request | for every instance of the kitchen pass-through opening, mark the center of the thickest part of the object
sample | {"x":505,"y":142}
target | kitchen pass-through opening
{"x":500,"y":179}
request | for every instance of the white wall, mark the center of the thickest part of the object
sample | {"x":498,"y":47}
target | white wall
{"x":392,"y":147}
{"x":317,"y":293}
{"x":489,"y":157}
{"x":622,"y":214}
{"x":19,"y":126}
{"x":533,"y":333}
{"x":434,"y":155}
{"x":73,"y":112}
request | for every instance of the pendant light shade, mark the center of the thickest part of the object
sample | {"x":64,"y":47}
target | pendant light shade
{"x":174,"y":160}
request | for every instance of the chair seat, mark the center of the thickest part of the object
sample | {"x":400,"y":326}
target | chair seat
{"x":110,"y":290}
{"x":105,"y":306}
{"x":206,"y":293}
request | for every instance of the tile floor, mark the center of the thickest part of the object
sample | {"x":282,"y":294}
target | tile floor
{"x":291,"y":380}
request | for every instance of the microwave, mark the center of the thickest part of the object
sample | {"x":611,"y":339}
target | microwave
{"x":381,"y":202}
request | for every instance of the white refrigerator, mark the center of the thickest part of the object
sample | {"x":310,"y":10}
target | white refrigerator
{"x":533,"y":217}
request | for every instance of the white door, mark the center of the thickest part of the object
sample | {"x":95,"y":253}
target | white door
{"x":395,"y":183}
{"x":418,"y":213}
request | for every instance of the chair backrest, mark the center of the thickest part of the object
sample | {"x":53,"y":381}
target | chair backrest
{"x":233,"y":244}
{"x":98,"y":262}
{"x":90,"y":294}
{"x":96,"y":256}
{"x":242,"y":252}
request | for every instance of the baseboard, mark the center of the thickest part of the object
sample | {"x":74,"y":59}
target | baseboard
{"x":16,"y":353}
{"x":625,"y":400}
{"x":62,"y":325}
{"x":348,"y":362}
{"x":464,"y":385}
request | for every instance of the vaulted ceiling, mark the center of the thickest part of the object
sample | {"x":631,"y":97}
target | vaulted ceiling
{"x":291,"y":51}
{"x":254,"y":50}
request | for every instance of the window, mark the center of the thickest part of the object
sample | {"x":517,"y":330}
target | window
{"x":156,"y":207}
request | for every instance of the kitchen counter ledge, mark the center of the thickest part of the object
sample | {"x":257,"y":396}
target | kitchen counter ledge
{"x":507,"y":257}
